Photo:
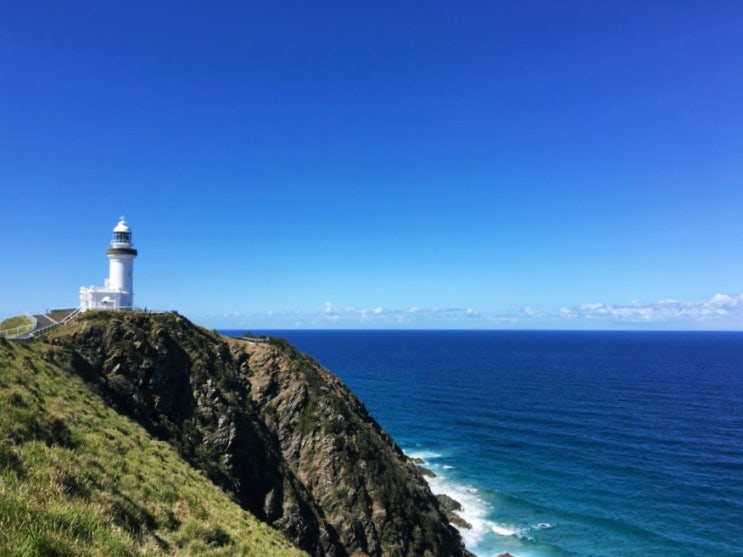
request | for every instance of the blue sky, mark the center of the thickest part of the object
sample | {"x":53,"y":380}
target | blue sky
{"x":535,"y":164}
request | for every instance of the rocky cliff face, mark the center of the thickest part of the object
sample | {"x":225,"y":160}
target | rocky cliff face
{"x":269,"y":425}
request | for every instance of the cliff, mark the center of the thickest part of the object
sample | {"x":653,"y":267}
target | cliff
{"x":371,"y":494}
{"x":277,"y":432}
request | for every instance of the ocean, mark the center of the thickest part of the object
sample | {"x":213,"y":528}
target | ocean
{"x":563,"y":443}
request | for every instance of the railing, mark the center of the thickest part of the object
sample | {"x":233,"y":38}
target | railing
{"x":60,"y":310}
{"x":42,"y":330}
{"x":127,"y":308}
{"x":9,"y":333}
{"x":28,"y":332}
{"x":254,"y":340}
{"x":70,"y":317}
{"x":22,"y":329}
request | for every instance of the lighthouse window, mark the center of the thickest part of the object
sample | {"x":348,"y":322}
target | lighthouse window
{"x":121,"y":237}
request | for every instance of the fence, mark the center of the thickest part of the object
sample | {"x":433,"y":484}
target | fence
{"x":22,"y":329}
{"x":29,"y":331}
{"x":42,"y":330}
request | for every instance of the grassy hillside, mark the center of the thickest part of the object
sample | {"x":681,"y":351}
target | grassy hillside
{"x":77,"y":478}
{"x":128,"y":433}
{"x":16,"y":325}
{"x":13,"y":322}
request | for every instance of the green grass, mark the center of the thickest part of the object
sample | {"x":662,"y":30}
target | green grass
{"x":13,"y":322}
{"x":77,"y":478}
{"x":16,"y":325}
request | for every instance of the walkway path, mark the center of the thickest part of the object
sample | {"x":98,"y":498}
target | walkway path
{"x":45,"y":323}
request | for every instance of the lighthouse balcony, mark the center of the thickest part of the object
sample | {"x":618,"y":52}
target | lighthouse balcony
{"x":121,"y":250}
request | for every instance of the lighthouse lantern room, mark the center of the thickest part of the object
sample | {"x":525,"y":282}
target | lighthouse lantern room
{"x":118,"y":291}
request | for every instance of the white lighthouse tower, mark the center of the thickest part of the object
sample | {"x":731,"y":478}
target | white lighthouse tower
{"x":118,"y":292}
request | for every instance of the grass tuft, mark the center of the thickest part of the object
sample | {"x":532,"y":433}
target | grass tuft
{"x":9,"y":460}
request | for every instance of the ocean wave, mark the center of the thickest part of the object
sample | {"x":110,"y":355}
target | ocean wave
{"x":510,"y":530}
{"x":424,"y":455}
{"x":484,"y":533}
{"x":474,"y":509}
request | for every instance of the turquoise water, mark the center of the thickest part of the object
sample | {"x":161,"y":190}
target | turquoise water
{"x":563,"y":443}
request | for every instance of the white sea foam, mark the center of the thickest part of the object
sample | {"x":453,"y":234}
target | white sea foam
{"x":508,"y":530}
{"x":423,"y":455}
{"x":475,"y":511}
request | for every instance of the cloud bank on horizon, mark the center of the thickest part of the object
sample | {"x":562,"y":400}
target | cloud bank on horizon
{"x":719,"y":308}
{"x":720,"y":312}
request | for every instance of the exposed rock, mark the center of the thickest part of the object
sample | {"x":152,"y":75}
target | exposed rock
{"x":448,"y":504}
{"x":458,"y":521}
{"x":372,"y":495}
{"x":426,"y":472}
{"x":268,"y":424}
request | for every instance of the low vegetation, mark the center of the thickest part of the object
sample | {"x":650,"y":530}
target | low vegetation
{"x":16,"y":325}
{"x":78,"y":478}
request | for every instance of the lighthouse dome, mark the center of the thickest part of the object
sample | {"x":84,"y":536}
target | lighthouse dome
{"x":122,"y":226}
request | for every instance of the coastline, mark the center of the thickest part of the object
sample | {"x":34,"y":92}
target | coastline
{"x":482,"y":535}
{"x":645,"y":465}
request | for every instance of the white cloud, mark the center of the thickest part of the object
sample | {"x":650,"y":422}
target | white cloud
{"x":722,"y":311}
{"x":719,"y":307}
{"x":379,"y":316}
{"x":529,"y":312}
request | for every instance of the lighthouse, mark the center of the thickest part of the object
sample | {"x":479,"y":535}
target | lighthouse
{"x":118,"y":291}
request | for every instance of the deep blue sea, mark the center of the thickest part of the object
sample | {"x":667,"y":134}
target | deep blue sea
{"x":563,"y":443}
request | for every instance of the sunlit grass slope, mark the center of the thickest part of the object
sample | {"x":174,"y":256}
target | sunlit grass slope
{"x":16,"y":325}
{"x":76,"y":478}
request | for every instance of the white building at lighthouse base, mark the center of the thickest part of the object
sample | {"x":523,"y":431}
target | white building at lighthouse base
{"x":95,"y":297}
